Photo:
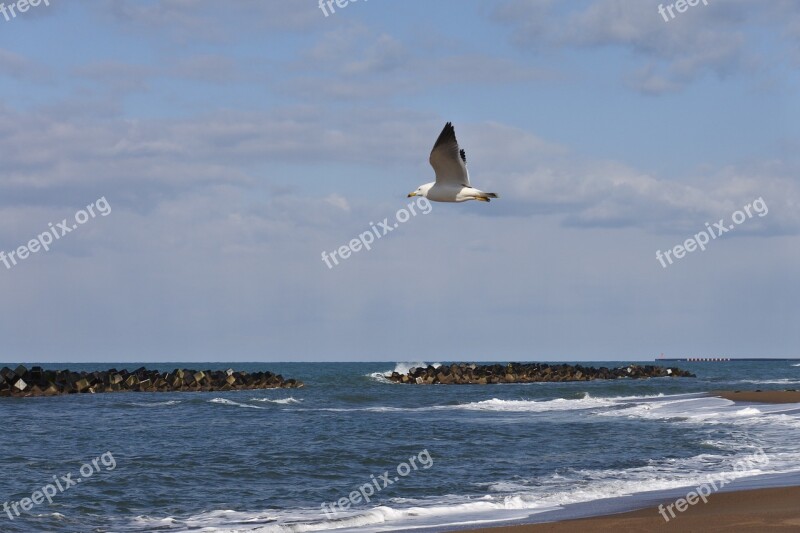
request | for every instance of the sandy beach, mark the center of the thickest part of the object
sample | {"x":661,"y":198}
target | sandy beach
{"x":766,"y":396}
{"x":746,"y":511}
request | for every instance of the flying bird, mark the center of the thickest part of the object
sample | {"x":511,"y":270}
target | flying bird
{"x":449,"y":162}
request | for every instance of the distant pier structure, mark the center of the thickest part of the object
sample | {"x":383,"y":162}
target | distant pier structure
{"x":723,"y":359}
{"x":703,"y":359}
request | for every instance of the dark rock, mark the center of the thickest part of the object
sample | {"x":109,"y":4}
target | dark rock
{"x":460,"y":374}
{"x":39,"y":382}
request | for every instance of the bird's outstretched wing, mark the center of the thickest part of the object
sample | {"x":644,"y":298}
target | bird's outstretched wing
{"x":448,"y":161}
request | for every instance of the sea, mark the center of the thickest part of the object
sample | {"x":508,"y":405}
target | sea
{"x":353,"y":452}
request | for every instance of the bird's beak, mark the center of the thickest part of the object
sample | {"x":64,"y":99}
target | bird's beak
{"x":411,"y":194}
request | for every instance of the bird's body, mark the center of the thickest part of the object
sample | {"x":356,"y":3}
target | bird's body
{"x":449,"y":163}
{"x":436,"y":192}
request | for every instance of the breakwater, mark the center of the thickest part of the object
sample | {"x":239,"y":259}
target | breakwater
{"x":463,"y":374}
{"x":40,"y":382}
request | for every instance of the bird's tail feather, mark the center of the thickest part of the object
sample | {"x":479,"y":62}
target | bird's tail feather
{"x":492,"y":195}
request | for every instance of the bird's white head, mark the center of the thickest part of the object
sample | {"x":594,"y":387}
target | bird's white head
{"x":422,"y":190}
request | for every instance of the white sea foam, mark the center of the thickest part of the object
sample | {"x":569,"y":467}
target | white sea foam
{"x":387,"y":518}
{"x":781,"y":381}
{"x":558,"y":404}
{"x":225,"y":401}
{"x":57,"y":516}
{"x":511,"y":499}
{"x":381,"y":377}
{"x":156,"y":404}
{"x":538,"y":406}
{"x":281,"y":401}
{"x":505,"y":500}
{"x":712,"y":411}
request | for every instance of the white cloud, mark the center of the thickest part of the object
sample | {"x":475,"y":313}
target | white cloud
{"x":339,"y":201}
{"x":718,"y":39}
{"x":210,"y":20}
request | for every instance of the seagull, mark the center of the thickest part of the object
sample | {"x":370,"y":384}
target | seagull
{"x":449,"y":162}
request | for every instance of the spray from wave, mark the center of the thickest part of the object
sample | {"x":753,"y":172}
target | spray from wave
{"x":400,"y":368}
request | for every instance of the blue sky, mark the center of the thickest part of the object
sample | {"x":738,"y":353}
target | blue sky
{"x":237,"y":141}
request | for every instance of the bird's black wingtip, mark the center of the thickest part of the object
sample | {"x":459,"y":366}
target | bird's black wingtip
{"x":448,"y":135}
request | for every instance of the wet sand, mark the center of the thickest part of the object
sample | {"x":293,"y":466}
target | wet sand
{"x":766,"y":396}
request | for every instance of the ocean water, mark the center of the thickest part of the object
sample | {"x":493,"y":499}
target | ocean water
{"x":267,"y":461}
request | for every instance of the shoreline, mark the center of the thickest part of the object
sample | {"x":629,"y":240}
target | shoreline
{"x":749,"y":510}
{"x":745,"y":510}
